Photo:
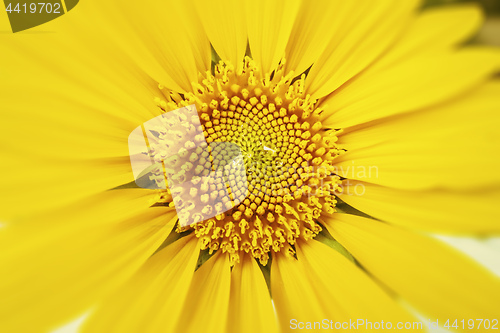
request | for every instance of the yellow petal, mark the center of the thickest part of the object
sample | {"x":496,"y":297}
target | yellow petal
{"x":410,"y":85}
{"x":250,"y":307}
{"x":207,"y":303}
{"x":433,"y":30}
{"x":470,"y":211}
{"x":225,"y":24}
{"x":127,"y":32}
{"x":164,"y":38}
{"x":55,"y":267}
{"x":66,"y":118}
{"x":323,"y":284}
{"x":339,"y":281}
{"x":31,"y":189}
{"x":72,"y":90}
{"x":152,"y":300}
{"x":369,"y":28}
{"x":269,"y":24}
{"x":313,"y":28}
{"x":293,"y":293}
{"x":453,"y":145}
{"x":438,"y":281}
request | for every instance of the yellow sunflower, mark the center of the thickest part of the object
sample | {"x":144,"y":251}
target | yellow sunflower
{"x":364,"y":125}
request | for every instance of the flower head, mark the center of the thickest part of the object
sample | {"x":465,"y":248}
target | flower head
{"x":360,"y":125}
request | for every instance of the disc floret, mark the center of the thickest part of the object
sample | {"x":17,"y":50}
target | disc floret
{"x":287,"y":155}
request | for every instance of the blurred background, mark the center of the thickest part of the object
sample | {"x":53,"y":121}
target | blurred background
{"x":490,"y":33}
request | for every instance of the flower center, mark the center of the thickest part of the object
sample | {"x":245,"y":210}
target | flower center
{"x":287,"y":159}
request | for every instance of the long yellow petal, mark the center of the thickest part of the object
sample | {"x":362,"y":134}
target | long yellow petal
{"x":207,"y":303}
{"x":225,"y":24}
{"x":371,"y":27}
{"x":269,"y":25}
{"x":440,"y":282}
{"x":250,"y":307}
{"x":66,"y":118}
{"x":164,"y":38}
{"x":417,"y":83}
{"x":433,"y":30}
{"x":57,"y":266}
{"x":323,"y":286}
{"x":294,"y":295}
{"x":30,"y":189}
{"x":338,"y":280}
{"x":153,"y":297}
{"x":456,"y":212}
{"x":312,"y":31}
{"x":453,"y":145}
{"x":88,"y":96}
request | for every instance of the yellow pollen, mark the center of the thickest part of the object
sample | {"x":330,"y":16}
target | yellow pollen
{"x":287,"y":156}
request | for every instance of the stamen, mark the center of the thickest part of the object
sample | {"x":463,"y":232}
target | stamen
{"x":287,"y":160}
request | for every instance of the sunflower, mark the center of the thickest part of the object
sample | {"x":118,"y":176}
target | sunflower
{"x":364,"y":126}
